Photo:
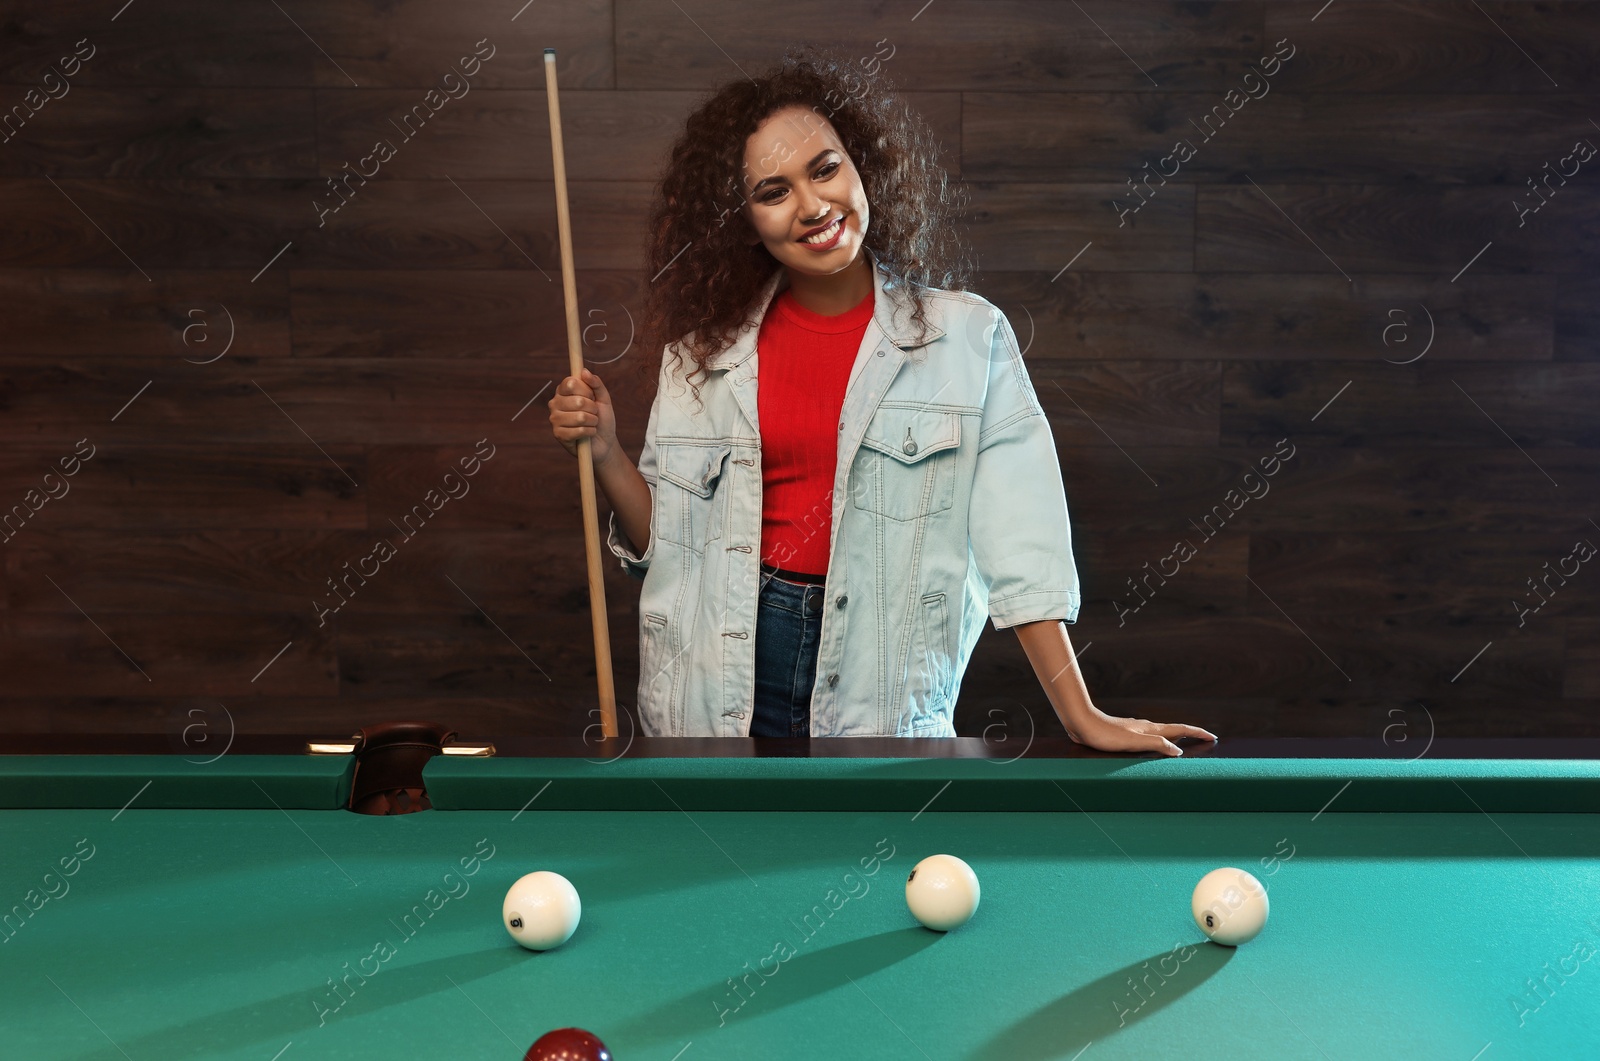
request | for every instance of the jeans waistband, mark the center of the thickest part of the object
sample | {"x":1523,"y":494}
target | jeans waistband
{"x":794,"y":576}
{"x":802,"y":601}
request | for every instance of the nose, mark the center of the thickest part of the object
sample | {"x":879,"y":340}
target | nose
{"x":816,"y":211}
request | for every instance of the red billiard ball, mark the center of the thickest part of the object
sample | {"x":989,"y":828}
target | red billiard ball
{"x":568,"y":1044}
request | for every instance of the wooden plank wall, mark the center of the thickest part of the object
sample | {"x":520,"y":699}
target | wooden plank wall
{"x":1282,"y":285}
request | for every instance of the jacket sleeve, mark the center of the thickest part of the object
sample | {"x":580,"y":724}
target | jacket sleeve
{"x":632,"y":561}
{"x":1018,"y":527}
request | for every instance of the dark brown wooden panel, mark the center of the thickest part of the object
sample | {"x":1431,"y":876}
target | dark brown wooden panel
{"x":172,"y":319}
{"x":1351,"y":489}
{"x":1335,"y":656}
{"x":195,"y":571}
{"x":1159,"y":403}
{"x":1476,"y":405}
{"x":1532,"y":715}
{"x":1577,"y":318}
{"x":1425,"y":46}
{"x":182,"y":42}
{"x":1051,"y":226}
{"x":337,"y":43}
{"x":1483,"y":577}
{"x":177,"y":486}
{"x":168,"y":132}
{"x":1121,"y":575}
{"x":379,"y":44}
{"x":272,"y":401}
{"x":532,"y":712}
{"x":99,"y":652}
{"x":174,"y":225}
{"x":963,"y":44}
{"x":1396,"y":682}
{"x":288,"y":571}
{"x":505,"y":135}
{"x":492,"y":135}
{"x":527,"y":486}
{"x":462,"y":653}
{"x":1345,"y":229}
{"x":224,"y":224}
{"x":1288,"y":316}
{"x":465,"y":313}
{"x":1280,"y":137}
{"x":1583,"y":659}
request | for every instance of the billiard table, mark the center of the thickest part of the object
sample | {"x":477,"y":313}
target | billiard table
{"x":745,"y":899}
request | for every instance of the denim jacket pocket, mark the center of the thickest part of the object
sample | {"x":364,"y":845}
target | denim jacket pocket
{"x":932,"y":664}
{"x":655,"y":678}
{"x":906,"y":466}
{"x":688,"y":506}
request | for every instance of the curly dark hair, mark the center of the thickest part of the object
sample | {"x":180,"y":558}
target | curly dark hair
{"x":705,"y":275}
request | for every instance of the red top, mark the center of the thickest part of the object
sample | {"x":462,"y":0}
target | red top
{"x":804,"y":365}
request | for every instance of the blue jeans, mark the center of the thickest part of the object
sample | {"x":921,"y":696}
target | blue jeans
{"x":788,"y":631}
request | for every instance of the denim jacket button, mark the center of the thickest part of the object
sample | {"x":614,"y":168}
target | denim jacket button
{"x":910,"y":447}
{"x":833,"y":679}
{"x":842,"y":598}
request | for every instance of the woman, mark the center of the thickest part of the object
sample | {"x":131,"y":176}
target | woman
{"x":820,"y":552}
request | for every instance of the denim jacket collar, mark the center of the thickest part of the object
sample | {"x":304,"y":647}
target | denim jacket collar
{"x":891,"y":317}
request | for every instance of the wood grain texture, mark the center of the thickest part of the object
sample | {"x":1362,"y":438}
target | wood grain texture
{"x":975,"y":45}
{"x":1340,"y":267}
{"x":1424,"y":47}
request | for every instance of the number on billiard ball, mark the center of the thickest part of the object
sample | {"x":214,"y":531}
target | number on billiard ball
{"x":541,"y":910}
{"x":1230,"y":906}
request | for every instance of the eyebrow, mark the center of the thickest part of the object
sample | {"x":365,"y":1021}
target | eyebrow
{"x":775,"y":177}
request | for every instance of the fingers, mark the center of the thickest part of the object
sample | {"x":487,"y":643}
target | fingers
{"x":1154,"y":736}
{"x":1164,"y":746}
{"x":578,"y":385}
{"x":1178,"y":729}
{"x":572,"y":406}
{"x":588,"y":384}
{"x":1160,"y":731}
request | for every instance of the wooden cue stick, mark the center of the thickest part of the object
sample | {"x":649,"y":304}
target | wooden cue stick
{"x":591,"y":516}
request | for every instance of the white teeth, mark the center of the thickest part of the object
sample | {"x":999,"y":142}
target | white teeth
{"x":825,"y":235}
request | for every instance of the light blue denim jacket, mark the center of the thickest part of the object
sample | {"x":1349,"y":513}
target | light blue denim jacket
{"x":947,"y":509}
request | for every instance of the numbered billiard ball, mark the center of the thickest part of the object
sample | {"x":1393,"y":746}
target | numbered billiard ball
{"x":942,"y":892}
{"x":567,"y":1044}
{"x":1230,"y":906}
{"x":541,"y":910}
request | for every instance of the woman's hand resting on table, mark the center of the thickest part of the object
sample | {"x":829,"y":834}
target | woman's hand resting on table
{"x":1108,"y":733}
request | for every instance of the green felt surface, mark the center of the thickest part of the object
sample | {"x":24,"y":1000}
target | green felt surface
{"x":311,"y":782}
{"x":212,"y":934}
{"x":1458,"y":785}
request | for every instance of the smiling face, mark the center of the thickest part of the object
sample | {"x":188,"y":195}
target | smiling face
{"x":798,"y":178}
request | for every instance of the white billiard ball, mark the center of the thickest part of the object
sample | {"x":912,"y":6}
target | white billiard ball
{"x":541,"y":910}
{"x":942,"y":892}
{"x":1230,"y":906}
